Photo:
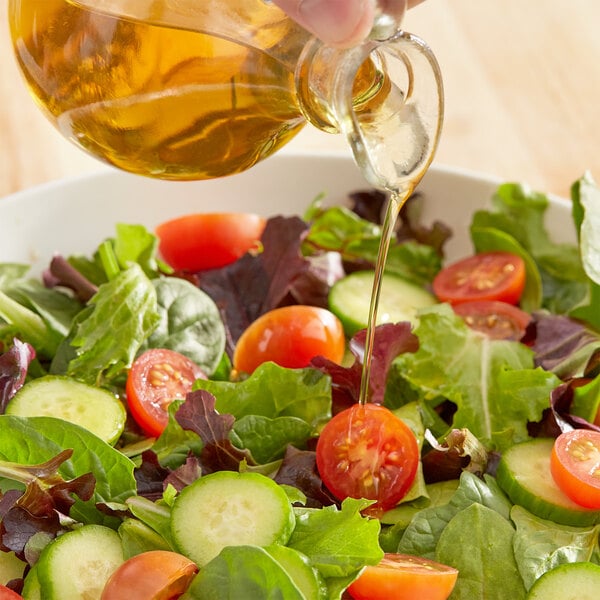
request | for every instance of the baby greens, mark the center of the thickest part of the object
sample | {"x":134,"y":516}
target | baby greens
{"x":96,"y":314}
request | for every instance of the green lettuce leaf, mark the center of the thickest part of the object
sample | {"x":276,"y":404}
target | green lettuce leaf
{"x":123,"y":314}
{"x":492,"y":382}
{"x":273,"y":391}
{"x":585,"y":196}
{"x":267,"y":439}
{"x":338,"y":542}
{"x":339,"y":229}
{"x":519,"y":213}
{"x":135,"y":244}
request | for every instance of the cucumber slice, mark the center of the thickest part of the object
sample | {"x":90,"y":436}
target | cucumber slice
{"x":77,"y":565}
{"x":95,"y":409}
{"x":524,"y":475}
{"x":230,"y":509}
{"x":31,"y":585}
{"x":579,"y":580}
{"x":350,"y":299}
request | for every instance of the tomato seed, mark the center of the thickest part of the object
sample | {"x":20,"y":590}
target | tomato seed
{"x":584,"y":450}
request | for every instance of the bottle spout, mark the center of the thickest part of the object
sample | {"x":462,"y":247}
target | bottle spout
{"x":385,"y":96}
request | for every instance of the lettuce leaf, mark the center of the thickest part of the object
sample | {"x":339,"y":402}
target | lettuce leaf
{"x":357,"y":240}
{"x":517,"y":224}
{"x":585,"y":196}
{"x":338,"y":542}
{"x":273,"y":391}
{"x":112,"y":329}
{"x":493,"y":383}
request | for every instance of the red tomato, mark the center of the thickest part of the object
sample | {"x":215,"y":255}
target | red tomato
{"x":290,"y":336}
{"x":154,"y":575}
{"x":498,"y":320}
{"x":404,"y":577}
{"x":485,"y":276}
{"x":156,"y":378}
{"x":366,"y":451}
{"x":8,"y":594}
{"x":575,"y":466}
{"x":208,"y":241}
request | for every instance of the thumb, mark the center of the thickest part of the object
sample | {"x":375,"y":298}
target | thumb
{"x":337,"y":22}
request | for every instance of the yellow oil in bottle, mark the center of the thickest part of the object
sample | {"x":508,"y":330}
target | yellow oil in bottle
{"x":161,"y":102}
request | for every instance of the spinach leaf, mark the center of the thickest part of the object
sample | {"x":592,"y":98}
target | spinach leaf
{"x":541,"y":545}
{"x":423,"y":533}
{"x":26,"y":324}
{"x":478,"y":542}
{"x":56,"y":309}
{"x":36,"y":440}
{"x":189,"y":323}
{"x":395,"y":521}
{"x":247,"y":572}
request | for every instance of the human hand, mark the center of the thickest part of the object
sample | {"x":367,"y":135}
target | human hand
{"x":340,"y":22}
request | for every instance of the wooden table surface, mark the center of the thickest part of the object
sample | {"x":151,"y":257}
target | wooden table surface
{"x":522,"y":85}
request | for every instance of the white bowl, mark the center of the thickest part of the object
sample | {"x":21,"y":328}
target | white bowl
{"x":74,"y":215}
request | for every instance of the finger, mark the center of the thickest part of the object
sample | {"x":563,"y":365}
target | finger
{"x":337,"y":22}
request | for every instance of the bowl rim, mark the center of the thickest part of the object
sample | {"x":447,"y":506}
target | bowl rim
{"x":108,"y":173}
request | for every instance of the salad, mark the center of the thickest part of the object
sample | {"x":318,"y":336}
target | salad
{"x":183,"y":420}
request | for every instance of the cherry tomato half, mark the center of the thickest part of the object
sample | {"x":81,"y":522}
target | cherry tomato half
{"x":366,"y":451}
{"x":485,"y":276}
{"x":153,"y":575}
{"x":290,"y":336}
{"x":498,"y":320}
{"x":8,"y":594}
{"x":575,"y":466}
{"x":404,"y":577}
{"x":156,"y":378}
{"x":200,"y":241}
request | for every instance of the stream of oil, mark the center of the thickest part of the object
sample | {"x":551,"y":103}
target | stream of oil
{"x":392,"y":210}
